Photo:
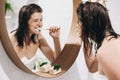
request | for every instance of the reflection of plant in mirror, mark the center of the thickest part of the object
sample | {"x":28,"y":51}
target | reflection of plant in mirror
{"x":45,"y":67}
{"x":8,"y":6}
{"x":39,"y":64}
{"x":43,"y":64}
{"x":56,"y":67}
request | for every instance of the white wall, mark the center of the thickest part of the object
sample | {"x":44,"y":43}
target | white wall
{"x":113,"y":7}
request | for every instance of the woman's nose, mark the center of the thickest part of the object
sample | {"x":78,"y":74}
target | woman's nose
{"x":39,"y":24}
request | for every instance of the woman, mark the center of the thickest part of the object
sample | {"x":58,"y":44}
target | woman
{"x":101,"y":43}
{"x":28,"y":38}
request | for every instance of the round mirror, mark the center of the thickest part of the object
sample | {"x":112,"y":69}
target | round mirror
{"x":55,"y":12}
{"x":59,"y":14}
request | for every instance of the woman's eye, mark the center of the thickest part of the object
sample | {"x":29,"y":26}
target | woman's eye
{"x":41,"y":19}
{"x":35,"y":20}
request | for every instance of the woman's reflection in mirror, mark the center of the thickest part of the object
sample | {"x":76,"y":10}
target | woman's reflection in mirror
{"x":99,"y":37}
{"x":27,"y":38}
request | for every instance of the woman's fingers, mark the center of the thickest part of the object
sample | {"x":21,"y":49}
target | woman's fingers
{"x":54,"y":29}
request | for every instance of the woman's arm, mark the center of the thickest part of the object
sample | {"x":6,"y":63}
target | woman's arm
{"x":45,"y":48}
{"x":55,"y":33}
{"x":57,"y":47}
{"x":91,"y":62}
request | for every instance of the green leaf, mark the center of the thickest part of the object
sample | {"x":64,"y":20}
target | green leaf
{"x":56,"y":67}
{"x":8,"y":6}
{"x":43,"y":64}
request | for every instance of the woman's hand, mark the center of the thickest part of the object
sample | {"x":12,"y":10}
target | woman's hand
{"x":54,"y":32}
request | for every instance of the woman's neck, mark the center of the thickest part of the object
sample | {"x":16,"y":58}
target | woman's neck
{"x":27,"y":40}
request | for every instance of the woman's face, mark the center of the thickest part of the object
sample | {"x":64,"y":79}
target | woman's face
{"x":35,"y":22}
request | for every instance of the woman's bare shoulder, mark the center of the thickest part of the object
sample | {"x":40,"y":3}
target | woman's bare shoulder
{"x":12,"y":36}
{"x":110,"y":50}
{"x":42,"y":40}
{"x":110,"y":44}
{"x":40,"y":37}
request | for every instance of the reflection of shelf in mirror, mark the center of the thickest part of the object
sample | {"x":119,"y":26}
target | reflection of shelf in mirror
{"x":50,"y":75}
{"x":50,"y":71}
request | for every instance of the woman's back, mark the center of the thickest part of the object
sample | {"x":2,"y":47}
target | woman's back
{"x":108,"y":57}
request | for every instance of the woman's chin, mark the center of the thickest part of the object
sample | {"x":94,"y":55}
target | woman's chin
{"x":37,"y":33}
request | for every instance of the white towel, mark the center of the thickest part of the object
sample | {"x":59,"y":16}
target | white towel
{"x":97,"y":76}
{"x":29,"y":62}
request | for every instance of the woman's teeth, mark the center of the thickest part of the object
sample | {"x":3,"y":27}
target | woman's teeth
{"x":38,"y":29}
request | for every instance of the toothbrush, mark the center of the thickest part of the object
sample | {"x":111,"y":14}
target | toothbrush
{"x":41,"y":29}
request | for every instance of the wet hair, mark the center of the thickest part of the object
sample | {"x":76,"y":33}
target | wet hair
{"x":95,"y":24}
{"x":22,"y":31}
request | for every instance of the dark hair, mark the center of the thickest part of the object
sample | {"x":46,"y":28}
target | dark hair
{"x":95,"y":24}
{"x":24,"y":15}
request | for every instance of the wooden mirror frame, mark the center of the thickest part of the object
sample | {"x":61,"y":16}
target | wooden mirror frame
{"x":67,"y":56}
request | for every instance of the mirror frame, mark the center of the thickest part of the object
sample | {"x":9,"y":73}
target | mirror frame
{"x":67,"y":56}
